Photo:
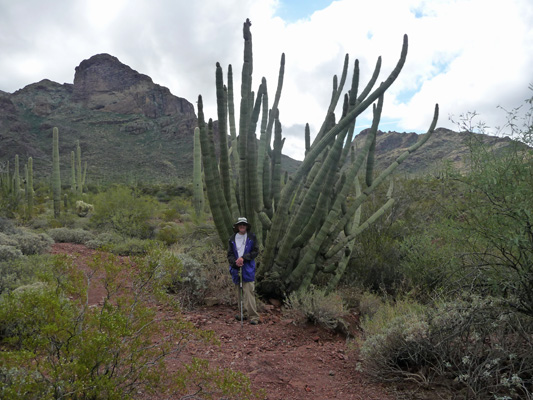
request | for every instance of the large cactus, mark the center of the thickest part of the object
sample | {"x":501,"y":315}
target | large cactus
{"x":198,"y":185}
{"x":56,"y":178}
{"x":305,"y":223}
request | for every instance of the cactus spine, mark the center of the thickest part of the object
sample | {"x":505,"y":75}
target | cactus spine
{"x":305,"y":219}
{"x":56,"y":178}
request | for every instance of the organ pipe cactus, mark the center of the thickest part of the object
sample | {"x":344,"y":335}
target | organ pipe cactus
{"x":56,"y":178}
{"x":304,"y":223}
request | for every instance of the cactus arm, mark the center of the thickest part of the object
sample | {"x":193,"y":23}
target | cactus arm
{"x":385,"y":173}
{"x":274,"y":114}
{"x":262,"y":149}
{"x":307,"y":138}
{"x":231,"y":117}
{"x":371,"y":155}
{"x":276,"y":164}
{"x":212,"y":182}
{"x":245,"y":106}
{"x":335,"y":95}
{"x":304,"y":212}
{"x":223,"y":134}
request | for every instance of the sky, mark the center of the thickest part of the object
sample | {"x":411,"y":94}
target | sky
{"x":465,"y":55}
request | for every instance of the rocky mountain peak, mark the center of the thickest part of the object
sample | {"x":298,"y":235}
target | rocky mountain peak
{"x":103,"y":83}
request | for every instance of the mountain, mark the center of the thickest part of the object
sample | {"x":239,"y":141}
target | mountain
{"x":444,"y":148}
{"x":133,"y":130}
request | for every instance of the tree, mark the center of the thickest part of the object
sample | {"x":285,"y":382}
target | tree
{"x":305,"y":224}
{"x":496,"y":211}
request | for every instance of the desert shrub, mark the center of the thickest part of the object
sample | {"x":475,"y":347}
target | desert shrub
{"x":429,"y":261}
{"x":55,"y":345}
{"x":8,"y":253}
{"x":67,"y":235}
{"x":168,"y":232}
{"x":7,"y":226}
{"x":122,"y":210}
{"x":130,"y":247}
{"x":369,"y":304}
{"x":32,"y":243}
{"x":201,"y":244}
{"x":316,"y":306}
{"x":22,"y":271}
{"x":193,"y":282}
{"x":476,"y":344}
{"x":6,"y":240}
{"x":104,"y":240}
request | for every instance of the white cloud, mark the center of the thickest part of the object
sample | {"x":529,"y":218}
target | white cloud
{"x":464,"y":54}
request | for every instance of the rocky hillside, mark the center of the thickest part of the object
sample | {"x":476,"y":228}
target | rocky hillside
{"x":444,"y":148}
{"x":131,"y":129}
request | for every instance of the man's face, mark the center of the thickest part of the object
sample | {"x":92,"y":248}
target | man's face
{"x":242,"y":228}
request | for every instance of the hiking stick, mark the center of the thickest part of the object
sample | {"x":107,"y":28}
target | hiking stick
{"x":241,"y":296}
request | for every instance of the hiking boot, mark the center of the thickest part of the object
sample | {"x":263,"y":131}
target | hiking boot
{"x":238,"y":317}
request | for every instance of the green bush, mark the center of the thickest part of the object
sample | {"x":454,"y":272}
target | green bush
{"x":8,"y":253}
{"x":67,"y":235}
{"x":168,"y":232}
{"x":122,"y":210}
{"x":316,"y":306}
{"x":192,"y":284}
{"x":200,"y":245}
{"x":6,"y":240}
{"x":55,"y":345}
{"x":130,"y":247}
{"x":22,"y":271}
{"x":7,"y":226}
{"x":104,"y":240}
{"x":429,"y":262}
{"x":32,"y":243}
{"x":476,"y":344}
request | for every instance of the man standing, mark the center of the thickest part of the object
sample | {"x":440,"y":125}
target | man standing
{"x":242,"y":251}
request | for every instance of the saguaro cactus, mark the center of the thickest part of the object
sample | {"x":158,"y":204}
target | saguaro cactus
{"x":304,"y":223}
{"x":198,"y":185}
{"x":79,"y":180}
{"x":29,"y":187}
{"x":56,"y":178}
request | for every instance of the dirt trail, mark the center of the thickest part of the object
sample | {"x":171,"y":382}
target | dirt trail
{"x":289,"y":362}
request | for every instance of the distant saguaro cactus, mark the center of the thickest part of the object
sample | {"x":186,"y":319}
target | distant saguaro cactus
{"x":198,"y":186}
{"x":29,"y":187}
{"x":56,"y":177}
{"x":303,"y":222}
{"x":80,"y":178}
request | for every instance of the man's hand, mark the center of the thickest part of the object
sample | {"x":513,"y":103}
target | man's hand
{"x":239,"y":262}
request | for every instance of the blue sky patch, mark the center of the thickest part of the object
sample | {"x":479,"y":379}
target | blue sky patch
{"x":294,"y":10}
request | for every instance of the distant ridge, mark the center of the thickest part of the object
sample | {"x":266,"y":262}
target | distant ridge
{"x":133,"y":130}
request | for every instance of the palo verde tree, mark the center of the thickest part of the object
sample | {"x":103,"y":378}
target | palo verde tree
{"x":306,"y":225}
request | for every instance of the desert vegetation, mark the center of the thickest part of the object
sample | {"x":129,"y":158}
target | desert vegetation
{"x":440,"y":279}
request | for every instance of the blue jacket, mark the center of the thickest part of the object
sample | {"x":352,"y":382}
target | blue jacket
{"x":251,"y":250}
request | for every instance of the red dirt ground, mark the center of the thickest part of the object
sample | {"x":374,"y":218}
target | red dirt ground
{"x":287,"y":361}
